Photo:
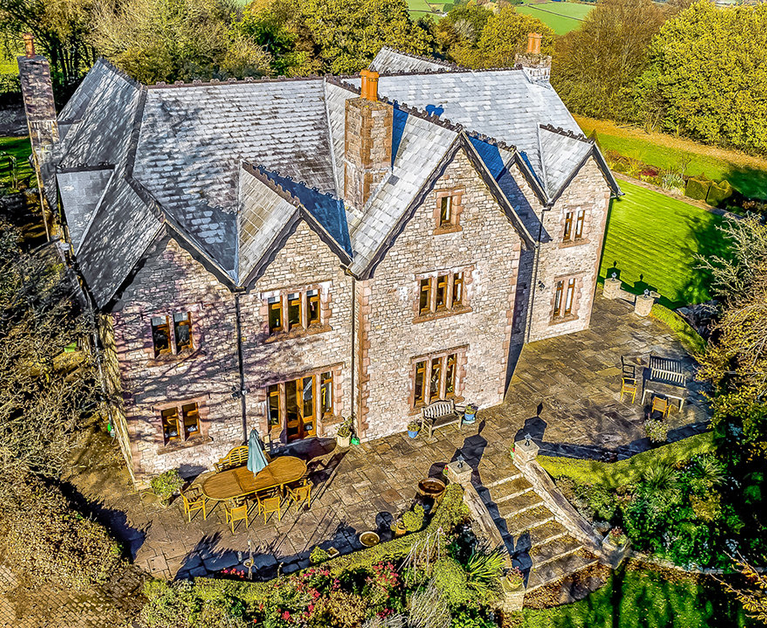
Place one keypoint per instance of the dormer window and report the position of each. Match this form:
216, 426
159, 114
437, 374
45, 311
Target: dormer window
446, 211
574, 222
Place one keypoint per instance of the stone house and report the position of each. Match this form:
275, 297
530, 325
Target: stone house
286, 253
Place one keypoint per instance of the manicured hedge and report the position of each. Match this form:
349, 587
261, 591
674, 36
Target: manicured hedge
629, 471
690, 339
697, 188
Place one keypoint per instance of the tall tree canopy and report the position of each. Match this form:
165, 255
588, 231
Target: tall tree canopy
503, 36
349, 33
596, 67
707, 77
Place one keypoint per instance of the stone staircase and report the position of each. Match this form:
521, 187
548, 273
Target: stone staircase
538, 544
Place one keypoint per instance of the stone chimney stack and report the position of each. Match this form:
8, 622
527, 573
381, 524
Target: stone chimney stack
367, 142
37, 91
537, 67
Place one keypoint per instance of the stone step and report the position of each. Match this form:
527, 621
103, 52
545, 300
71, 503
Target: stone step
527, 520
542, 553
538, 535
516, 506
510, 476
559, 568
505, 490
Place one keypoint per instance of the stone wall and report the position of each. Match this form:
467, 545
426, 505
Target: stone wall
559, 260
304, 261
486, 249
172, 281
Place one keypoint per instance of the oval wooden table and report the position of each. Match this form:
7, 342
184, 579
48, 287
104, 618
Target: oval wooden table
240, 482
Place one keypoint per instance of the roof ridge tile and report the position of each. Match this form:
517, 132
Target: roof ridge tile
566, 133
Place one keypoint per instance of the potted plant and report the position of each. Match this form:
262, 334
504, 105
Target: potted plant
166, 485
398, 527
470, 413
513, 579
413, 519
412, 429
344, 433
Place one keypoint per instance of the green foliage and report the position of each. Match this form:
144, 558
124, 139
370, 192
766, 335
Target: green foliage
349, 33
697, 189
615, 474
413, 519
484, 571
48, 540
561, 17
595, 67
451, 580
706, 76
653, 240
656, 430
718, 193
472, 618
691, 340
167, 484
639, 597
318, 555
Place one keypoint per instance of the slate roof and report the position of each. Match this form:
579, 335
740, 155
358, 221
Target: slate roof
229, 168
389, 60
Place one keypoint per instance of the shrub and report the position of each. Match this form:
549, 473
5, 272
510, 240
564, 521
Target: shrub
348, 610
719, 192
672, 181
697, 188
451, 581
708, 507
472, 618
656, 430
44, 536
691, 340
318, 556
166, 484
413, 519
484, 571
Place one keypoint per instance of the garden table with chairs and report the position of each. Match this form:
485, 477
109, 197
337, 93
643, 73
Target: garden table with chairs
240, 482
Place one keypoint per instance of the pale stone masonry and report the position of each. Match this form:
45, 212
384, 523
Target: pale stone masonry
287, 254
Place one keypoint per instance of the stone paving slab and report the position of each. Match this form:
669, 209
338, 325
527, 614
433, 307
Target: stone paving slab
564, 393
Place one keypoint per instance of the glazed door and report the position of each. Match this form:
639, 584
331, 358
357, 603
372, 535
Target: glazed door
300, 416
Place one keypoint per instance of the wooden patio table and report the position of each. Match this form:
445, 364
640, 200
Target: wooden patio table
239, 482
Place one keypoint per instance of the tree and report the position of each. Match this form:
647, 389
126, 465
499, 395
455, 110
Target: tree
61, 29
43, 397
595, 68
707, 76
349, 33
505, 35
754, 596
167, 40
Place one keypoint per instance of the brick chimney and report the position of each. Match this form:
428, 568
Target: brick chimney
367, 142
537, 67
37, 91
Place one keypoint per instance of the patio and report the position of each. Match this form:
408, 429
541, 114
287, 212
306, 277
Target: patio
564, 393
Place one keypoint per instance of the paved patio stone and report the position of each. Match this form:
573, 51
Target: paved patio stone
564, 393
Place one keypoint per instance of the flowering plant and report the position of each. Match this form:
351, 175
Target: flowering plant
617, 536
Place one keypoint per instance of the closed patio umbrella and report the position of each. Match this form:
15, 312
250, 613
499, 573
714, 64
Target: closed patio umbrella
256, 458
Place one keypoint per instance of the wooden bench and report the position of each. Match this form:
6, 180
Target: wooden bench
235, 458
439, 414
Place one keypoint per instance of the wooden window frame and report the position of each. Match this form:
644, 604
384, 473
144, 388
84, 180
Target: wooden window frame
455, 208
275, 304
305, 296
574, 227
171, 332
425, 372
167, 331
564, 303
183, 323
580, 220
181, 411
432, 283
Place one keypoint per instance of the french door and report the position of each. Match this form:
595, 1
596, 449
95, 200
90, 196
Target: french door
300, 415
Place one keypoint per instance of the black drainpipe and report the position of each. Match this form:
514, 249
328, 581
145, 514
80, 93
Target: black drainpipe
534, 281
354, 331
242, 391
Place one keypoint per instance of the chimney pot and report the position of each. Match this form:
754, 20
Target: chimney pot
534, 43
369, 87
29, 44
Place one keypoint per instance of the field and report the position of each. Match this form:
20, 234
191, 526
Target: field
746, 173
562, 17
19, 148
645, 599
652, 241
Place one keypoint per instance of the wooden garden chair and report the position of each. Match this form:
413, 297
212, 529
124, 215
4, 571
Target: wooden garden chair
270, 503
629, 386
659, 404
194, 500
236, 513
301, 493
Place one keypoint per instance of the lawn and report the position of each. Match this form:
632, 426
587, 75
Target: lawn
562, 17
645, 599
652, 240
19, 148
747, 174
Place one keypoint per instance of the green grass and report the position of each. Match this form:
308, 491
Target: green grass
418, 5
645, 599
630, 470
18, 147
652, 241
749, 181
562, 17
